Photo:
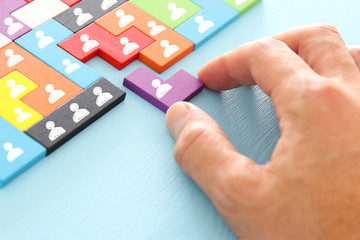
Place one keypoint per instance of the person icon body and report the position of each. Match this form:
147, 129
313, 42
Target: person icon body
239, 2
102, 97
106, 4
12, 26
70, 67
16, 90
55, 132
82, 18
55, 95
176, 12
13, 153
169, 49
88, 44
128, 47
79, 114
22, 116
203, 25
13, 59
161, 89
44, 41
155, 29
124, 19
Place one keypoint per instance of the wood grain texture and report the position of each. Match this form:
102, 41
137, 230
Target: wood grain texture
118, 180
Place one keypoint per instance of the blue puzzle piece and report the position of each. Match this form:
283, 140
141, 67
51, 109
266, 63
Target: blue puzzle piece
18, 152
42, 42
214, 16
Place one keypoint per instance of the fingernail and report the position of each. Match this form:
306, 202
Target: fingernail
176, 117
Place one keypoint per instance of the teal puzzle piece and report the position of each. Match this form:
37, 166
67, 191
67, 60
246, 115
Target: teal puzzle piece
18, 152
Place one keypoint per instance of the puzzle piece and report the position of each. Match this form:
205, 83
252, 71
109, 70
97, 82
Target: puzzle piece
86, 12
75, 115
13, 86
9, 25
162, 94
37, 12
171, 12
18, 152
54, 89
241, 5
4, 40
42, 42
169, 46
214, 16
119, 51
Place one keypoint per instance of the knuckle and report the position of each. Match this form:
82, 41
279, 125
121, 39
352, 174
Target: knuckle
326, 89
268, 43
323, 29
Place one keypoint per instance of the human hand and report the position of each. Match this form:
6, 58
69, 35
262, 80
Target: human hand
310, 188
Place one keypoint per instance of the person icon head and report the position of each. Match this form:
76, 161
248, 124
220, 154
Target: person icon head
199, 19
97, 91
9, 53
124, 40
39, 34
18, 111
49, 88
151, 24
164, 43
84, 38
156, 83
8, 146
74, 107
66, 62
50, 125
78, 11
120, 13
11, 83
172, 6
8, 21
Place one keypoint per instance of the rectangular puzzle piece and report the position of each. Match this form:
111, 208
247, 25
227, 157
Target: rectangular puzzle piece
182, 86
4, 40
86, 12
18, 152
64, 123
42, 42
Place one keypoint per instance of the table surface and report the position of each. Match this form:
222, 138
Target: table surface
118, 179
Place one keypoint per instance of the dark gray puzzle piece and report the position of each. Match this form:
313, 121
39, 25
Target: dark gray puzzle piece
75, 115
85, 12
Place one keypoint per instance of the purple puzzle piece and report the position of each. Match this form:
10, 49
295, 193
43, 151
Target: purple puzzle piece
182, 86
9, 25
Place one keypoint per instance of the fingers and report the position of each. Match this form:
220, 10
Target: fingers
322, 47
205, 154
269, 63
355, 53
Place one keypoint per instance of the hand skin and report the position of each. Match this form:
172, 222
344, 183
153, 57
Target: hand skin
310, 188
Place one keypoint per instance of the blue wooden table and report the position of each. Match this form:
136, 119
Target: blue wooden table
118, 179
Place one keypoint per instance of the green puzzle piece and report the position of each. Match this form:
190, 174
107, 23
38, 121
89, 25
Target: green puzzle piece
241, 5
171, 12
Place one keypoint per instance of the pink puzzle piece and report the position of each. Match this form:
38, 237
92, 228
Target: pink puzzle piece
182, 86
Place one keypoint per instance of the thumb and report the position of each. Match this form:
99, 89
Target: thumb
205, 154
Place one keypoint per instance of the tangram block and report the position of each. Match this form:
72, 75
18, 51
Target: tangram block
42, 42
18, 152
75, 115
214, 16
241, 5
169, 46
13, 86
85, 12
53, 88
4, 40
37, 12
171, 12
9, 25
182, 86
119, 51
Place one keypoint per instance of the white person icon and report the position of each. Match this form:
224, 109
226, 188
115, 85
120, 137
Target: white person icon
16, 89
13, 153
82, 18
79, 114
55, 132
12, 59
102, 97
12, 26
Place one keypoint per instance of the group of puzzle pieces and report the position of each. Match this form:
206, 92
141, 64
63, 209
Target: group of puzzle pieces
48, 94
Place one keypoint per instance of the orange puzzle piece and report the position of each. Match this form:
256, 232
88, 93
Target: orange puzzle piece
54, 89
169, 46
